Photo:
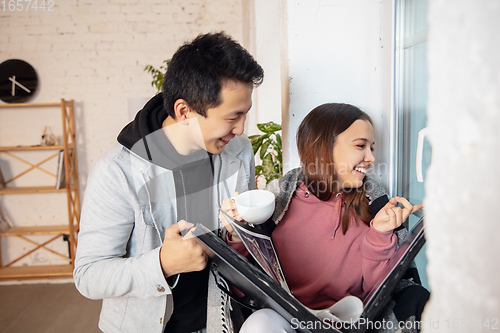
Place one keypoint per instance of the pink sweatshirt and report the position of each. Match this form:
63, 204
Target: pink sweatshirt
320, 263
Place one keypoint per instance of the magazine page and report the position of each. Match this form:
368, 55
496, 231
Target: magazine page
351, 308
259, 288
400, 261
261, 247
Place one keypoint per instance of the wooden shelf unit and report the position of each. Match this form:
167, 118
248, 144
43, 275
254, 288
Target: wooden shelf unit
30, 189
36, 272
9, 271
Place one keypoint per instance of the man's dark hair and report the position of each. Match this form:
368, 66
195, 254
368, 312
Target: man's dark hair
199, 69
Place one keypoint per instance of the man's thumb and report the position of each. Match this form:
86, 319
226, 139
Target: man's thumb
175, 229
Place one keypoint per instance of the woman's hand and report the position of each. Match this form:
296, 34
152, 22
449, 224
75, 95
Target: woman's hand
390, 217
229, 207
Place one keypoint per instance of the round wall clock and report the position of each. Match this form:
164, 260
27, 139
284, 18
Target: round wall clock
18, 81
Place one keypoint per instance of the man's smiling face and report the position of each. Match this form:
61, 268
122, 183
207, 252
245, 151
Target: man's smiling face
226, 120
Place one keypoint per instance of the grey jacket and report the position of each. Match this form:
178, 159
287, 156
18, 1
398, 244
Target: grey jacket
128, 204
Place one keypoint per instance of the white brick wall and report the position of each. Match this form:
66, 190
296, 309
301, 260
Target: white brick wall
94, 51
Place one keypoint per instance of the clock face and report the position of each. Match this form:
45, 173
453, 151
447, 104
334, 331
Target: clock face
18, 81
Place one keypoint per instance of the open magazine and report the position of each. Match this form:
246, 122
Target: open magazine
261, 247
266, 289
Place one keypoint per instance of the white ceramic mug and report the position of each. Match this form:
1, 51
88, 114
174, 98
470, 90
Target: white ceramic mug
255, 206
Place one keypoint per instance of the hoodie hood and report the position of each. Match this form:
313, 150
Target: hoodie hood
144, 136
146, 121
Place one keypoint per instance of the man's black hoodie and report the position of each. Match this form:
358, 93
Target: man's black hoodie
193, 178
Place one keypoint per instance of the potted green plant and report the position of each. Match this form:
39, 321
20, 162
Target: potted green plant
157, 74
269, 147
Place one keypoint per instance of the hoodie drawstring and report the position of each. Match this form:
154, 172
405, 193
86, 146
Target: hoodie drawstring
155, 225
147, 149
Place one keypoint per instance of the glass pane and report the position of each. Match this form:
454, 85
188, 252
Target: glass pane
411, 104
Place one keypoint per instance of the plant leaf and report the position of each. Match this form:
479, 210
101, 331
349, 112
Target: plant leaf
267, 166
278, 140
256, 143
258, 137
157, 74
269, 127
258, 169
263, 148
272, 177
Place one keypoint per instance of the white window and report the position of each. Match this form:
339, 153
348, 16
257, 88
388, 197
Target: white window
410, 102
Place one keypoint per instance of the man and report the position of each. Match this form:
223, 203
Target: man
181, 156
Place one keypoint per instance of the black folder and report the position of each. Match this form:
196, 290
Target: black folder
261, 291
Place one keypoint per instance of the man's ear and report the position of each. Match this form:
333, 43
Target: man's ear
182, 110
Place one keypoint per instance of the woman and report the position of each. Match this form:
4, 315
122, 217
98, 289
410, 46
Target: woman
327, 221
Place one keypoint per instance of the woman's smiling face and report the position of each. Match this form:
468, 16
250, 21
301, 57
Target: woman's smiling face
352, 154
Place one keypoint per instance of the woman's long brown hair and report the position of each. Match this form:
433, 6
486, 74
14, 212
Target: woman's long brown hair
316, 139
